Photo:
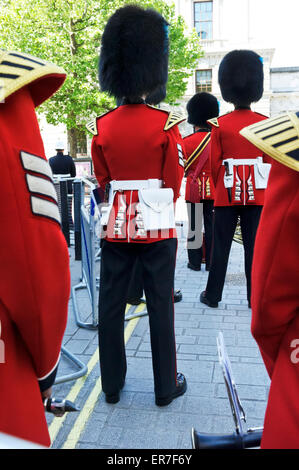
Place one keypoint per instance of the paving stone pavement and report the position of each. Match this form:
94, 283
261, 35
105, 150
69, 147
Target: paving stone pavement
136, 422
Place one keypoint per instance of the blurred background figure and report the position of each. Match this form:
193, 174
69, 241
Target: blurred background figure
199, 185
63, 164
135, 291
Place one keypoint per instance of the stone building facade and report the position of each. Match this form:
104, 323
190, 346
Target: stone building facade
285, 89
224, 25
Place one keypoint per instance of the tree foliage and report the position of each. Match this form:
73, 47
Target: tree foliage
68, 33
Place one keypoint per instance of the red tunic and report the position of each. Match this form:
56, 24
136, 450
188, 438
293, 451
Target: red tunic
34, 270
275, 305
226, 142
132, 143
195, 144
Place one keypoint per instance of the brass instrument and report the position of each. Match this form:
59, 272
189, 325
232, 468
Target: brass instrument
240, 439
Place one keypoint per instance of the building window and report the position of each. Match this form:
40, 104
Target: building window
203, 80
203, 19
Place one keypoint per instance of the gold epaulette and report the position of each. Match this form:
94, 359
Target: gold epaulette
277, 137
213, 122
173, 120
156, 107
91, 126
18, 70
173, 117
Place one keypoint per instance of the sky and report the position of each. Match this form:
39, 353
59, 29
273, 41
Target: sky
277, 24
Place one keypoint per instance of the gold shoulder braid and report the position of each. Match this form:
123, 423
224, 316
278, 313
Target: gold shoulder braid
91, 126
18, 70
213, 122
173, 119
277, 137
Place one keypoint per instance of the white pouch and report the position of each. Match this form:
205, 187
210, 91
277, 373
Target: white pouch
157, 208
261, 174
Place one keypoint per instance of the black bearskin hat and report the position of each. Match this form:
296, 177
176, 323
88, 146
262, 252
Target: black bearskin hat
241, 77
134, 52
201, 107
157, 95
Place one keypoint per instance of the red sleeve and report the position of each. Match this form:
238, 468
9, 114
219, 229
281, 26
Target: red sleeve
216, 153
275, 271
34, 259
173, 167
99, 164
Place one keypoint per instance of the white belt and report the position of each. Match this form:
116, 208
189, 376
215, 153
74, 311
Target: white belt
124, 185
243, 161
261, 171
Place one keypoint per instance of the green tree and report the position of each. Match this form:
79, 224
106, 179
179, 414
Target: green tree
68, 33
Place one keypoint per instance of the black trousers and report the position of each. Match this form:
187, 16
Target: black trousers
195, 254
208, 218
225, 221
158, 266
135, 290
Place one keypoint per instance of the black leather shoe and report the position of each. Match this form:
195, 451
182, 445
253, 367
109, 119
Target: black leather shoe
193, 267
114, 397
206, 301
177, 296
181, 387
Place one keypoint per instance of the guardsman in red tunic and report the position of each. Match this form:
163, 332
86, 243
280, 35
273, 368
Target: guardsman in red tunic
34, 259
275, 278
135, 291
199, 185
239, 169
138, 157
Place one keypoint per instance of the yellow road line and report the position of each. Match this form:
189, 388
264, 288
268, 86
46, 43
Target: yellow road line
90, 403
57, 423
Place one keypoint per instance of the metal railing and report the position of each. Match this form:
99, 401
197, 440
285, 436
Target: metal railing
65, 209
90, 253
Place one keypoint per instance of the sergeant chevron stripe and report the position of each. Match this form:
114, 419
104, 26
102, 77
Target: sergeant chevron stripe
19, 69
40, 186
198, 151
45, 208
36, 164
278, 137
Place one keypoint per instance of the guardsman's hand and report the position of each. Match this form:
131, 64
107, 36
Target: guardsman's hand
47, 393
